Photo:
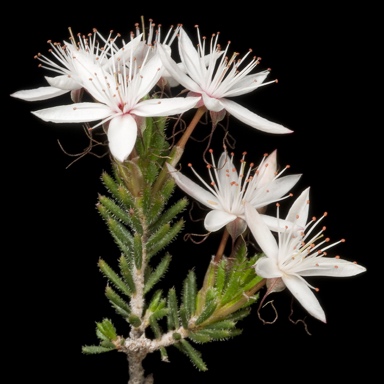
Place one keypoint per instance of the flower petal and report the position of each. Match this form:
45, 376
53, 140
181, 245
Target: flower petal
164, 107
248, 84
194, 190
304, 296
280, 225
299, 210
122, 134
148, 76
212, 103
267, 268
327, 266
217, 219
37, 94
274, 191
63, 82
74, 113
195, 66
251, 119
261, 232
176, 72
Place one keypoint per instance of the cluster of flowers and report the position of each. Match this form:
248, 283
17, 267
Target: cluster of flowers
118, 81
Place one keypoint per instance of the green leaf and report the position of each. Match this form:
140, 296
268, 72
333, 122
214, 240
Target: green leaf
110, 184
207, 312
155, 300
160, 313
221, 277
112, 276
189, 294
193, 354
173, 315
156, 329
164, 355
126, 268
137, 250
222, 324
121, 235
183, 316
169, 215
239, 315
134, 320
118, 303
158, 273
95, 349
107, 329
163, 237
207, 335
116, 210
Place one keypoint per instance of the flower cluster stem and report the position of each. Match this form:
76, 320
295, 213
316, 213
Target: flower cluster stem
222, 245
178, 149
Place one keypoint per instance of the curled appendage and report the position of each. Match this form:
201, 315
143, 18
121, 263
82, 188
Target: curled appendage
88, 150
262, 306
189, 236
299, 320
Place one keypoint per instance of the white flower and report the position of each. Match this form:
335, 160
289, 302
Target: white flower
120, 94
296, 255
153, 40
98, 49
214, 79
228, 189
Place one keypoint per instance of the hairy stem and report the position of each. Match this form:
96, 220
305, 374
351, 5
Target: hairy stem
223, 243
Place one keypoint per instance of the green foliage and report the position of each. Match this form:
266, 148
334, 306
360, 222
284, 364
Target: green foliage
189, 295
95, 349
138, 250
193, 354
163, 237
114, 278
173, 313
120, 305
114, 209
207, 312
170, 213
107, 329
126, 270
142, 223
158, 273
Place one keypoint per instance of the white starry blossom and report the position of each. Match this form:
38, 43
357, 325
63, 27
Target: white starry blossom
215, 79
120, 95
297, 254
99, 50
102, 50
228, 188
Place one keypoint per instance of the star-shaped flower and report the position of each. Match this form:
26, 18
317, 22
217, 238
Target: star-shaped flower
98, 49
215, 79
229, 188
296, 255
121, 99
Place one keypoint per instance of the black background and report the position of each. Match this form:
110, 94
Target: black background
53, 290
